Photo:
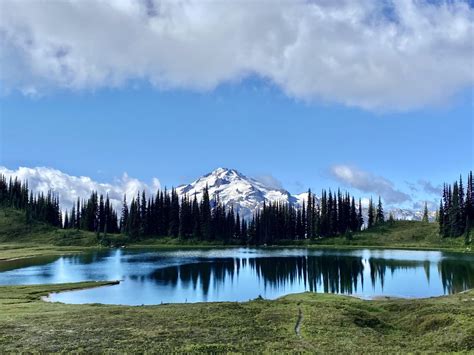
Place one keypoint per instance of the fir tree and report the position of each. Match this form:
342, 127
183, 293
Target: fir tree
205, 214
441, 218
379, 217
425, 214
196, 213
124, 219
391, 219
360, 219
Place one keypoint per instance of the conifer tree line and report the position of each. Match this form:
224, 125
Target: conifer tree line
95, 214
15, 194
456, 209
167, 214
335, 214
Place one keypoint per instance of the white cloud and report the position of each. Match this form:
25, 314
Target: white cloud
368, 182
69, 188
420, 205
365, 201
429, 188
366, 53
269, 181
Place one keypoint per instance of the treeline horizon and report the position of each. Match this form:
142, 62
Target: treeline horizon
165, 214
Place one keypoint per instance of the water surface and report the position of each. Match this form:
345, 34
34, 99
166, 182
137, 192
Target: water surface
166, 276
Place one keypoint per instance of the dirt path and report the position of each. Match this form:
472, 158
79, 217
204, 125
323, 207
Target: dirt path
298, 322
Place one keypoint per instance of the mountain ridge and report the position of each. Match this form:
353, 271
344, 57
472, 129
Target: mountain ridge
234, 189
246, 194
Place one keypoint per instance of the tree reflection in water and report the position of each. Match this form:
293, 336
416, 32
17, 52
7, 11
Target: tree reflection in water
322, 273
456, 275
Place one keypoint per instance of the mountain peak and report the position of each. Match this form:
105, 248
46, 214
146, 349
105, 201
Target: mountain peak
225, 172
233, 188
246, 195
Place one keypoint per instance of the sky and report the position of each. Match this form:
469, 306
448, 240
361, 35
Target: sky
372, 96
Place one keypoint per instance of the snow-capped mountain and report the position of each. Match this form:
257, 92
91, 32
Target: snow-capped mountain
410, 215
232, 188
246, 195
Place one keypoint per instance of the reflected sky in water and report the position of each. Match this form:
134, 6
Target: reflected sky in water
157, 276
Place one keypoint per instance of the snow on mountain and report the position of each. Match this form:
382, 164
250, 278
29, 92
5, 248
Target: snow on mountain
246, 194
302, 197
232, 188
410, 215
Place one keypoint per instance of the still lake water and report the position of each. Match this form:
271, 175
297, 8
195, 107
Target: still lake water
166, 276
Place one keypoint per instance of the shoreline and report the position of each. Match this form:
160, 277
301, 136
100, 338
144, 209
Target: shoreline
45, 298
56, 250
99, 284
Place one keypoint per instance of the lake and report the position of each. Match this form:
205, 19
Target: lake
238, 274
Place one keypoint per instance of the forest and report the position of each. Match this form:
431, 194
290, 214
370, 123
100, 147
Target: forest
166, 214
456, 208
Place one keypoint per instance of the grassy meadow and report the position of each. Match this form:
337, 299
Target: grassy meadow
295, 323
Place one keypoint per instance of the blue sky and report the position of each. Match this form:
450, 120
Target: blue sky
251, 126
388, 117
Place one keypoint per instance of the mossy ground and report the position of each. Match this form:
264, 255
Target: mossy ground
330, 324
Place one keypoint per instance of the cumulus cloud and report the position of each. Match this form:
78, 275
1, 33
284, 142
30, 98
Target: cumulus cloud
420, 205
428, 187
413, 187
368, 182
69, 188
366, 53
270, 181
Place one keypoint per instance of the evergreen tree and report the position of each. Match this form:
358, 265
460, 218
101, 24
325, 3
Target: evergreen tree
379, 217
353, 220
455, 212
360, 219
196, 213
371, 214
470, 198
124, 227
174, 214
205, 214
66, 221
425, 214
391, 219
441, 218
309, 215
78, 216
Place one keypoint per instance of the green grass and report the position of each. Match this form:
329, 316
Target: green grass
18, 240
14, 229
330, 324
400, 234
